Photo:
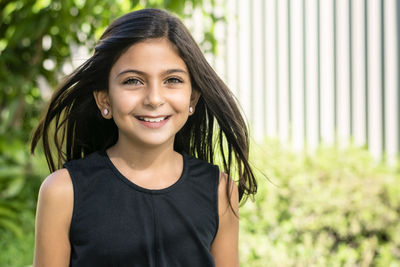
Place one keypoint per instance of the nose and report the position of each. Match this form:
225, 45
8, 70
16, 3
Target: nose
154, 96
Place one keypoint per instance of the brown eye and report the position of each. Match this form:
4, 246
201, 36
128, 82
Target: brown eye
132, 81
174, 80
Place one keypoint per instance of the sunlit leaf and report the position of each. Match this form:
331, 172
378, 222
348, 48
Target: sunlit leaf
13, 188
6, 212
10, 172
11, 226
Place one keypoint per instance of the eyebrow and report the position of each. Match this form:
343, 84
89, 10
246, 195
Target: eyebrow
144, 74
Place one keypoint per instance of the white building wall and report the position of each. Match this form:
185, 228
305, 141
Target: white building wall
311, 72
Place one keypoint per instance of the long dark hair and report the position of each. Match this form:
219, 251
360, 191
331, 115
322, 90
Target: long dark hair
216, 131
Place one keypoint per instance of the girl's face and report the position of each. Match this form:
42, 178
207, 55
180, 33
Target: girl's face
149, 94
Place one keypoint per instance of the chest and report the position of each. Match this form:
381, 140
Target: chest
116, 222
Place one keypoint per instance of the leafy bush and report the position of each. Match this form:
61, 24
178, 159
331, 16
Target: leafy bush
20, 178
20, 175
333, 208
18, 252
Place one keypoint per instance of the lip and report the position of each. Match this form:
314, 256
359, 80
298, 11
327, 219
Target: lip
153, 125
152, 116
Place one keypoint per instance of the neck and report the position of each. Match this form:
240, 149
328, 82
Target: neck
141, 158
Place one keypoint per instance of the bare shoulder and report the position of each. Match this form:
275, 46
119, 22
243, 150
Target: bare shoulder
53, 219
227, 187
225, 245
59, 182
56, 197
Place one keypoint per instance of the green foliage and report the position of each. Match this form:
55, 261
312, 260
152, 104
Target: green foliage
19, 183
18, 252
334, 208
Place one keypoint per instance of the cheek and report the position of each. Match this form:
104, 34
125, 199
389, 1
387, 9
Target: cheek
181, 101
123, 102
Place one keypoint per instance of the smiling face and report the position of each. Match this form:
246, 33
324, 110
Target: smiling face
149, 94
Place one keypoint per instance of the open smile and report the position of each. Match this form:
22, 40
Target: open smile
153, 122
152, 119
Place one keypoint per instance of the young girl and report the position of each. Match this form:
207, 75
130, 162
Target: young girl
133, 180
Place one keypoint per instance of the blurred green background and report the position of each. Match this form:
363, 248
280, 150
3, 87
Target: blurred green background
332, 208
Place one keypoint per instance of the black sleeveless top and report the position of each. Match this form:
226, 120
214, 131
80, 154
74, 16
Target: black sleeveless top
118, 223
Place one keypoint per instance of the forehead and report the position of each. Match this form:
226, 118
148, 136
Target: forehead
150, 55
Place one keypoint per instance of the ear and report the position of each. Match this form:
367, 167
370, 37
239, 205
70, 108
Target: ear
103, 103
194, 98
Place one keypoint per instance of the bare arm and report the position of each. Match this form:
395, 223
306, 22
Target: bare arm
53, 218
225, 246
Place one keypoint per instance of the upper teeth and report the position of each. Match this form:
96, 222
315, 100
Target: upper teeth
152, 119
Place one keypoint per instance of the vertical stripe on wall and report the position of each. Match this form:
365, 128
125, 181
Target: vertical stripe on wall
244, 58
296, 74
351, 68
327, 71
251, 81
257, 56
283, 70
315, 71
366, 33
374, 65
391, 54
398, 72
342, 73
335, 70
311, 74
319, 70
289, 70
263, 94
277, 65
358, 71
270, 74
220, 30
303, 25
382, 39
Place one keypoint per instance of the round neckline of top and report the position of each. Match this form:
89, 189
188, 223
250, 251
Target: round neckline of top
122, 177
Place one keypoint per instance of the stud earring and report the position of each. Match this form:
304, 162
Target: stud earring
190, 109
105, 112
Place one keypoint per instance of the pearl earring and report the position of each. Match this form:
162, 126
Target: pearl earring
105, 112
190, 109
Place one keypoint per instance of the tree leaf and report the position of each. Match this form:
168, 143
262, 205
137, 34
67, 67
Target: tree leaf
11, 226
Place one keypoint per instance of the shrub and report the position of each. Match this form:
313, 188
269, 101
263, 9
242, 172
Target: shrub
333, 208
